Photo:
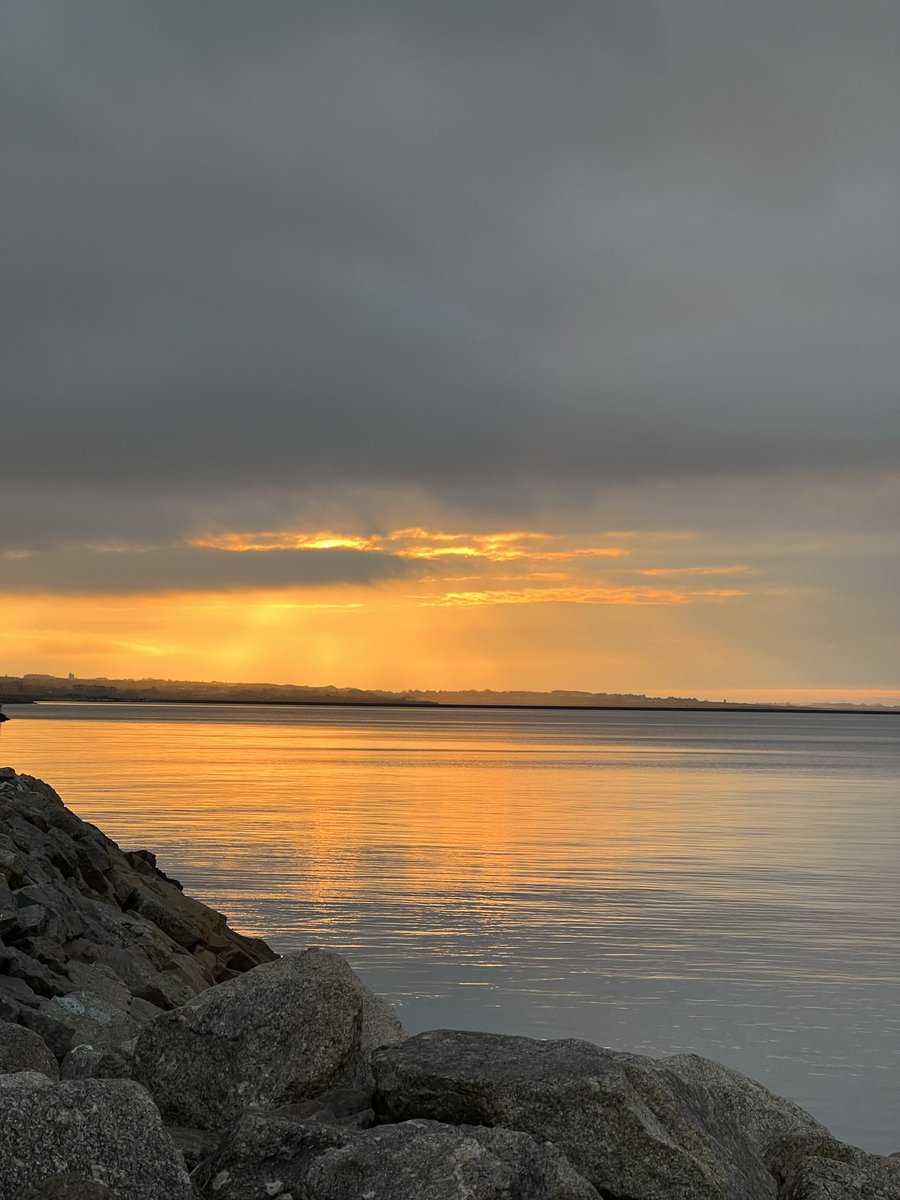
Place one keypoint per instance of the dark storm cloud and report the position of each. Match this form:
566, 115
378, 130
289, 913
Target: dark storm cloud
191, 568
274, 250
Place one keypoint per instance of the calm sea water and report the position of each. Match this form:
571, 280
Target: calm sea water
720, 882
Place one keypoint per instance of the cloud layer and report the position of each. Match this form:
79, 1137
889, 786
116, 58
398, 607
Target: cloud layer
461, 250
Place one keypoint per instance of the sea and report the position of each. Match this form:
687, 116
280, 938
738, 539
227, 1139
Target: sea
726, 883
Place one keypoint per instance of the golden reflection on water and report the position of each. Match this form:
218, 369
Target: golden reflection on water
660, 881
445, 809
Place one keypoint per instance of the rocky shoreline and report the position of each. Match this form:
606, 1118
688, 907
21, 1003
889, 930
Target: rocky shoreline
150, 1052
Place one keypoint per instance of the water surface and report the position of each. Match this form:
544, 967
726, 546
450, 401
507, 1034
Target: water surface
656, 881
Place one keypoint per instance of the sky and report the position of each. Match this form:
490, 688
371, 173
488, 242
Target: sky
484, 345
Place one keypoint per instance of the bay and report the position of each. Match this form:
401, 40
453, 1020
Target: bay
725, 883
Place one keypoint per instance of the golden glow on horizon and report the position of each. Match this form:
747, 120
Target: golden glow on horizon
439, 609
378, 638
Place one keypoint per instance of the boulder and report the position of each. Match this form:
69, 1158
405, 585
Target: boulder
56, 1033
347, 1107
23, 1050
64, 914
739, 1115
168, 989
16, 992
92, 1020
132, 966
13, 867
31, 921
89, 1062
104, 1131
280, 1033
631, 1125
43, 980
98, 980
185, 921
143, 1011
443, 1162
8, 916
51, 953
263, 1157
818, 1167
867, 1177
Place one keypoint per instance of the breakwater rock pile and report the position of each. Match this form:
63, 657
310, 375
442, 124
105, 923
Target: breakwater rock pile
149, 1052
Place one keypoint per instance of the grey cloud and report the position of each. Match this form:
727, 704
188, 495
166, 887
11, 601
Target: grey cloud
469, 250
191, 568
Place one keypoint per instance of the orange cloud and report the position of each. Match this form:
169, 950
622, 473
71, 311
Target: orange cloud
573, 595
534, 576
736, 570
414, 543
281, 540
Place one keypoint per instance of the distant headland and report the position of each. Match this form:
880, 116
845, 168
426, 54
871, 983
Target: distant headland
30, 688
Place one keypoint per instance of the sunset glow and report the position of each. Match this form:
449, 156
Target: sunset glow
617, 612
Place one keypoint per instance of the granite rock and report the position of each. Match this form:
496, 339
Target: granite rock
263, 1157
92, 1020
431, 1161
810, 1166
90, 1062
24, 1050
280, 1033
631, 1125
99, 1130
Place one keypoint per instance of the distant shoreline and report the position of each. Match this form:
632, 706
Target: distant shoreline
705, 706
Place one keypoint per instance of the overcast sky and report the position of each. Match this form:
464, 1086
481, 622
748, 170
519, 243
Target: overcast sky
568, 267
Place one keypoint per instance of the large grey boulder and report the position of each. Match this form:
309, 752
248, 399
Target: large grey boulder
431, 1161
102, 1130
631, 1125
23, 1050
280, 1033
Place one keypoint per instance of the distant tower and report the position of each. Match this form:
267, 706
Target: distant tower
71, 675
